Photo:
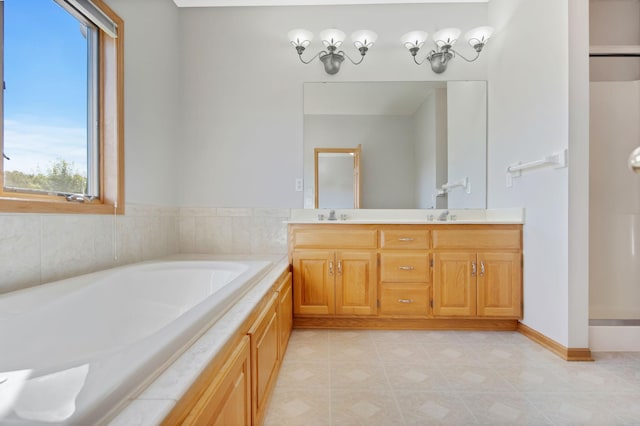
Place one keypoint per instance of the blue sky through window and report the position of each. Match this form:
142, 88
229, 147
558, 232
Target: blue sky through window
45, 102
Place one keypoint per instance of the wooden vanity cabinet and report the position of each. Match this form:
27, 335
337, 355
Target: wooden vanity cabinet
477, 272
405, 272
407, 275
334, 273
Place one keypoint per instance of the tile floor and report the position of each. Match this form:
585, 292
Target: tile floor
344, 377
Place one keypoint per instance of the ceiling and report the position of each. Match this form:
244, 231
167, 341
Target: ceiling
219, 3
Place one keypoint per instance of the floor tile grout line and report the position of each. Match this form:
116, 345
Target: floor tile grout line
459, 397
524, 396
534, 405
391, 389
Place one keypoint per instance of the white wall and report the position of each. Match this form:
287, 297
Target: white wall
152, 100
529, 119
424, 125
579, 237
430, 134
387, 178
467, 142
242, 139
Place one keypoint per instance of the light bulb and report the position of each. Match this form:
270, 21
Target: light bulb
478, 36
332, 37
300, 37
414, 39
446, 37
364, 38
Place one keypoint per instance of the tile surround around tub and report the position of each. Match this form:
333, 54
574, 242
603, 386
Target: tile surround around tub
233, 230
39, 248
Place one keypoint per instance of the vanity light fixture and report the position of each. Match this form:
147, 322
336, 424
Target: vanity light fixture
634, 160
332, 40
444, 41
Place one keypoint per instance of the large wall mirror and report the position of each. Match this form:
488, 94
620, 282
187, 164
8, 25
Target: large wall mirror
415, 137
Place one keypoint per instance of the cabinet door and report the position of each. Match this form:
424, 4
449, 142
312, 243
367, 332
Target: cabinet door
227, 401
264, 358
356, 283
454, 290
285, 311
313, 282
499, 285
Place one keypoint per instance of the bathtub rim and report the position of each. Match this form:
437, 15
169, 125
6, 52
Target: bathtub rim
174, 378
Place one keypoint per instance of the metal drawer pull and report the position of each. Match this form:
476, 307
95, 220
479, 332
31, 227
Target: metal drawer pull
405, 239
331, 267
473, 269
405, 300
482, 268
340, 267
406, 268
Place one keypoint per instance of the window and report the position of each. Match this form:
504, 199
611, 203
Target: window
62, 136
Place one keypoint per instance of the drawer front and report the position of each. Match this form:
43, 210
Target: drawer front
404, 300
401, 267
412, 239
335, 238
477, 239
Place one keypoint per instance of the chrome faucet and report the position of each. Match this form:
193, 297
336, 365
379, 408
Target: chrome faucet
443, 216
332, 215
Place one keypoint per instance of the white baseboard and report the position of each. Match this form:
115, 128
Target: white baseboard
614, 338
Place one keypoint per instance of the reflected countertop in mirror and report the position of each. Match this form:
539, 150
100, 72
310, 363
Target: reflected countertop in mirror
415, 137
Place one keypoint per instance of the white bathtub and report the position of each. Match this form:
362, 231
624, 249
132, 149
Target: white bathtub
72, 350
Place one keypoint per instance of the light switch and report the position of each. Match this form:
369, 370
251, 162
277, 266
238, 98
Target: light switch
298, 185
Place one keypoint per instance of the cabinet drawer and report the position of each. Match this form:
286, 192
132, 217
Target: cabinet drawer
336, 238
401, 267
404, 300
477, 239
404, 239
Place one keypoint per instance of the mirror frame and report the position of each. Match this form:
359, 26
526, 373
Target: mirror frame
356, 171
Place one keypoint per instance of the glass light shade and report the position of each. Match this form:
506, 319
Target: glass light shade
414, 39
332, 37
446, 37
478, 35
300, 37
364, 38
634, 160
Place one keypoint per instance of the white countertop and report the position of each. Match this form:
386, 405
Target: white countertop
408, 216
157, 400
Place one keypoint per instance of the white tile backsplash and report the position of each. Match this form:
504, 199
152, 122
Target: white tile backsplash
68, 246
233, 230
39, 248
19, 251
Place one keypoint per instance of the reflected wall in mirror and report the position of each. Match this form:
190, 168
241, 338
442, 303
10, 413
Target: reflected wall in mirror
337, 178
415, 137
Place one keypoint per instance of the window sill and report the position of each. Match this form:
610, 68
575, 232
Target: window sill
18, 205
